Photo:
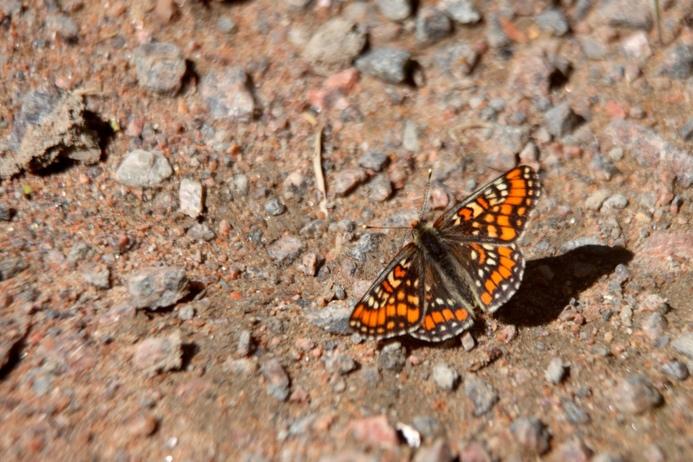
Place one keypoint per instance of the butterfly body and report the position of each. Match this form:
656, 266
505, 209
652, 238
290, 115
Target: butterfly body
467, 258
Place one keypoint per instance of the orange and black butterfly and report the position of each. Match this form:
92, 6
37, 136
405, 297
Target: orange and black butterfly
467, 258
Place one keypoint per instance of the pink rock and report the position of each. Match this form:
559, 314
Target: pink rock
374, 431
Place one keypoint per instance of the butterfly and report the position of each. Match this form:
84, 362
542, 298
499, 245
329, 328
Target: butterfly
467, 258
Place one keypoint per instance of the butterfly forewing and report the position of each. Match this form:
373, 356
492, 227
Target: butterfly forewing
393, 305
497, 212
446, 315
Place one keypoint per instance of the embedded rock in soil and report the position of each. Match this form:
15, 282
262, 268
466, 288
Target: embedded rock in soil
445, 377
482, 394
461, 11
374, 431
160, 67
190, 197
50, 125
278, 381
432, 25
635, 395
285, 249
347, 180
392, 357
334, 318
388, 64
335, 45
395, 10
159, 354
228, 94
531, 433
143, 168
157, 287
556, 371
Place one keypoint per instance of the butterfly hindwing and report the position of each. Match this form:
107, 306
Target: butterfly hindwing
494, 272
497, 212
446, 315
393, 305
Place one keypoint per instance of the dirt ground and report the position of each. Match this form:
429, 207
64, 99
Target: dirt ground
182, 189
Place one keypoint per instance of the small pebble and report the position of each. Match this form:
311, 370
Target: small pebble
461, 11
635, 395
200, 232
395, 10
432, 25
617, 201
468, 342
676, 369
531, 433
157, 287
285, 249
278, 381
275, 207
190, 197
482, 394
374, 160
684, 344
391, 65
159, 354
573, 450
445, 377
334, 45
160, 67
347, 180
574, 413
245, 343
556, 371
561, 120
143, 168
228, 95
392, 357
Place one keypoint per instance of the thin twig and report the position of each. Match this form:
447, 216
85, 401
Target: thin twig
317, 169
658, 20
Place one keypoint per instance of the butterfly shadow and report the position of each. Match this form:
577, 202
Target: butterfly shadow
550, 283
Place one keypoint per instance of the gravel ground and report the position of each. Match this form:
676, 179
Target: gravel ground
175, 280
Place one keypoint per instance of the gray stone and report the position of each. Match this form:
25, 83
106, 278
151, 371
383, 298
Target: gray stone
366, 244
274, 207
676, 369
160, 67
10, 267
574, 413
226, 25
334, 318
157, 287
278, 382
531, 433
340, 363
632, 14
461, 11
392, 357
432, 25
98, 276
615, 202
395, 10
654, 326
346, 180
190, 197
684, 344
482, 394
5, 213
143, 168
445, 377
495, 35
553, 21
686, 132
159, 354
374, 160
410, 136
285, 249
380, 188
595, 200
200, 232
457, 59
635, 395
245, 343
335, 45
62, 25
678, 62
561, 120
556, 371
468, 342
388, 64
228, 95
427, 425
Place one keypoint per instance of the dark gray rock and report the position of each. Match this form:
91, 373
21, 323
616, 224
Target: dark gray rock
5, 213
432, 25
457, 59
157, 287
561, 120
10, 267
228, 94
143, 168
160, 67
389, 64
366, 244
374, 160
676, 369
482, 394
532, 434
632, 14
678, 62
574, 413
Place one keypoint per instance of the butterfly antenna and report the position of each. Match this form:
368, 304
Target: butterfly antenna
383, 227
426, 194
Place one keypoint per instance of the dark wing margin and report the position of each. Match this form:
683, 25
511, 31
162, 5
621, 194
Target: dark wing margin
393, 305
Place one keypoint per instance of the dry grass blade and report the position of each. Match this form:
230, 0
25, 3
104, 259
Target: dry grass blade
317, 169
